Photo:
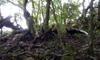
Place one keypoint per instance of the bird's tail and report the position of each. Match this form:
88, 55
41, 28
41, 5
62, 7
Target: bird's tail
84, 32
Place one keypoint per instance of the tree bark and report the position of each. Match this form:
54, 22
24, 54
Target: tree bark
28, 18
46, 21
99, 10
91, 29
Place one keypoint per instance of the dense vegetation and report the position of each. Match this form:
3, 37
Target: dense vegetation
56, 31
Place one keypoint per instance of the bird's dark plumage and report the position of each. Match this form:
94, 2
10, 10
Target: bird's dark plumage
74, 31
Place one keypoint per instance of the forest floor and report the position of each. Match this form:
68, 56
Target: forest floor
22, 46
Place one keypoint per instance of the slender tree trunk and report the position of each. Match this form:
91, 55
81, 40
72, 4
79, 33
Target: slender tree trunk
99, 10
46, 21
1, 32
91, 29
0, 21
84, 13
29, 19
53, 10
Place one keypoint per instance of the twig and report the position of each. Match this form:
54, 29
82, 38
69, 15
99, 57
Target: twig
15, 4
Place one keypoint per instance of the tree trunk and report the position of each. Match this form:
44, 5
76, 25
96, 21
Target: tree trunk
91, 30
29, 19
46, 21
99, 10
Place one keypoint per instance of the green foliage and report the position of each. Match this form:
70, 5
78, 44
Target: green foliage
70, 11
63, 12
20, 2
